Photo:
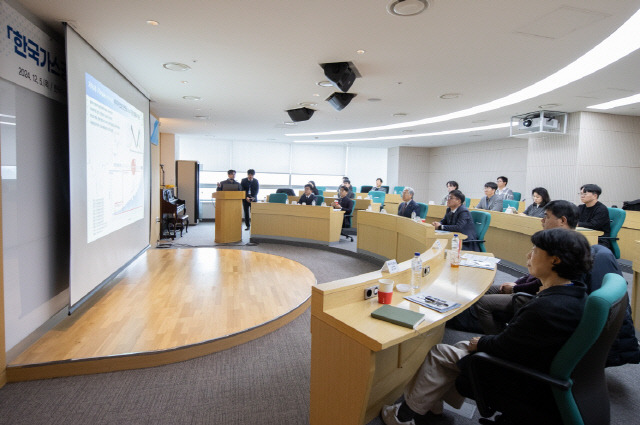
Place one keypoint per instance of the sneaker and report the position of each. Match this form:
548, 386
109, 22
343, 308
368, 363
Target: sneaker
389, 416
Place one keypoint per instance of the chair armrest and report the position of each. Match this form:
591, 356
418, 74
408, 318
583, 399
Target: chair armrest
478, 358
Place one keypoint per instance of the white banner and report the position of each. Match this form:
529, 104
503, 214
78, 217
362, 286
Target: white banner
29, 57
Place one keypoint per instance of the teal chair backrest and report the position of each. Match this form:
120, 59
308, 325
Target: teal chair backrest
467, 202
422, 212
481, 221
320, 191
319, 199
278, 198
597, 312
321, 188
517, 196
377, 197
617, 216
397, 190
509, 203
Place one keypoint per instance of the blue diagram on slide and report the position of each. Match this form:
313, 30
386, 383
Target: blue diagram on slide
115, 161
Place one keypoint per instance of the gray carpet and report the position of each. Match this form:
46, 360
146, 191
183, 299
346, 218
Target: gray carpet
265, 381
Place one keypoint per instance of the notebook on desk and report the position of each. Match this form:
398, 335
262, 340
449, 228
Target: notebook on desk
398, 316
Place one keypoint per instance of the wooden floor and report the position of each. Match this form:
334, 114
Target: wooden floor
171, 305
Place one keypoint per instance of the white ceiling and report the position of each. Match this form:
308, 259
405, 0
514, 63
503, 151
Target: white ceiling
253, 59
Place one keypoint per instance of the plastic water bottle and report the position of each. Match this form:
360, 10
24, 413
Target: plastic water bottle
413, 215
313, 202
455, 251
416, 271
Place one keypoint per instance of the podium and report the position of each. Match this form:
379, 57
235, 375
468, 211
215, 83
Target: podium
228, 215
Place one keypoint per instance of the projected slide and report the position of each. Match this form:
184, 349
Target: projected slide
115, 161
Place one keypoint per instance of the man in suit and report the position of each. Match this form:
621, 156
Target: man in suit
409, 206
491, 201
251, 186
458, 219
345, 204
307, 198
231, 178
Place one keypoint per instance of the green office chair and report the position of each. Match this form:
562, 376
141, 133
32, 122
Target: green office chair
365, 189
320, 191
509, 203
377, 197
467, 202
321, 188
481, 221
278, 198
422, 212
616, 216
319, 199
576, 382
517, 196
397, 190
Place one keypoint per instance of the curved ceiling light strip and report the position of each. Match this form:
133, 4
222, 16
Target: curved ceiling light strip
410, 136
622, 42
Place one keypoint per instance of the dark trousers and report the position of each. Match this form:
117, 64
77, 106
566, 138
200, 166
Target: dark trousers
247, 216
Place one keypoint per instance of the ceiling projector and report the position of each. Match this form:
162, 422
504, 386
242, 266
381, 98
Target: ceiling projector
533, 124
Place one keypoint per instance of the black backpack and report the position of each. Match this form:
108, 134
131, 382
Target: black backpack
631, 205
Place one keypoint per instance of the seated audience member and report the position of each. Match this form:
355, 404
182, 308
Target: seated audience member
345, 204
503, 190
308, 197
458, 219
534, 335
378, 187
593, 213
451, 185
491, 201
500, 301
231, 178
540, 198
409, 206
347, 184
314, 189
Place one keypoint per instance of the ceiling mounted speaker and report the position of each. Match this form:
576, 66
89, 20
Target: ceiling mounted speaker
300, 114
341, 74
340, 100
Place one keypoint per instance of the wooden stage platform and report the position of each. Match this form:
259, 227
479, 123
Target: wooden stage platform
168, 306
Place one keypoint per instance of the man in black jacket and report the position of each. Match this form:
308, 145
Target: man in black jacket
251, 186
458, 219
593, 213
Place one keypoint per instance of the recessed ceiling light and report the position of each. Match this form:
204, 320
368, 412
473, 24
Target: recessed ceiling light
290, 123
549, 106
374, 99
407, 7
324, 84
191, 97
450, 96
316, 95
399, 114
308, 104
153, 23
176, 66
201, 117
360, 52
184, 82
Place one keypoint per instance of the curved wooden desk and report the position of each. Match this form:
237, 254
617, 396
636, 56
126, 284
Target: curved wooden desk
305, 223
388, 236
635, 295
359, 363
629, 234
509, 235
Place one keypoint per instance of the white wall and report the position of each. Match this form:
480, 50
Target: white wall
609, 156
474, 164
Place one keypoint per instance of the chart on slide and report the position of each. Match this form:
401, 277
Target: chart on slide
115, 161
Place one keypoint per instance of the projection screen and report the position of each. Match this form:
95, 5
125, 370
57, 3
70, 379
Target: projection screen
109, 158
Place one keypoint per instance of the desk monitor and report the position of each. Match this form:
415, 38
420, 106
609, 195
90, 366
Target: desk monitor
231, 186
